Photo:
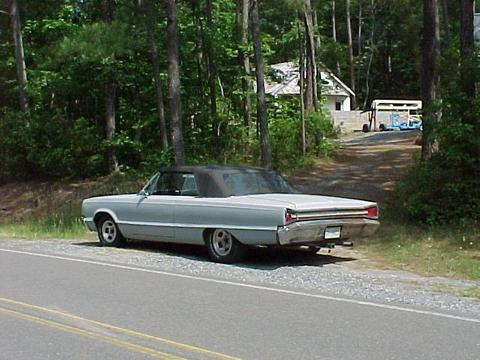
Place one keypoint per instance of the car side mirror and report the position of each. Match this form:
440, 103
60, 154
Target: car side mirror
143, 193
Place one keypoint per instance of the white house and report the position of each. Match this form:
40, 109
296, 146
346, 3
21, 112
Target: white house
284, 81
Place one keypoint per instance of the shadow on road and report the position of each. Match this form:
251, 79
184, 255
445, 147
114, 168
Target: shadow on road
260, 258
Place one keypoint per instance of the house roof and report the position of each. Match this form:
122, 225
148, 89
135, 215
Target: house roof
284, 80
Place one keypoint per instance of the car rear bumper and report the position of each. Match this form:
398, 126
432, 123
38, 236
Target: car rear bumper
312, 232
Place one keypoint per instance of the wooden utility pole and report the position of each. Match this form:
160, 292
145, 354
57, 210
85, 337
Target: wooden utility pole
350, 54
212, 69
19, 54
110, 99
174, 83
372, 51
311, 88
334, 32
245, 61
430, 55
266, 152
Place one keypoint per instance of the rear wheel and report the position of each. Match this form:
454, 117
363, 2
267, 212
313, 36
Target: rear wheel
223, 247
108, 232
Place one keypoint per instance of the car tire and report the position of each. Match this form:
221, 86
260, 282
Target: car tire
108, 232
382, 127
223, 247
365, 128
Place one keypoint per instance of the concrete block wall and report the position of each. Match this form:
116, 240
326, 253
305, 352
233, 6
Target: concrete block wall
350, 121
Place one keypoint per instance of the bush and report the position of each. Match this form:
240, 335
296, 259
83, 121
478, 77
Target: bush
446, 188
432, 192
54, 148
285, 136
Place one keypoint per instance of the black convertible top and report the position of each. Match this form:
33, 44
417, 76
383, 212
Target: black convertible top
209, 178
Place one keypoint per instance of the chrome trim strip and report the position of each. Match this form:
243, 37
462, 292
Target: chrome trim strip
331, 213
201, 226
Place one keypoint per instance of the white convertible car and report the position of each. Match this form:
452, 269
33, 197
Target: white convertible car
227, 209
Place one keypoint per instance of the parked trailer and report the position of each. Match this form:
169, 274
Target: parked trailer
388, 115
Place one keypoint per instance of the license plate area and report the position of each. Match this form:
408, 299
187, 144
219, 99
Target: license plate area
332, 232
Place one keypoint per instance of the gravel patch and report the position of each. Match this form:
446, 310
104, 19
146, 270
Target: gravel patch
340, 273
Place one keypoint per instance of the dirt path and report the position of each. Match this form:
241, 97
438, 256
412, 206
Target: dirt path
365, 167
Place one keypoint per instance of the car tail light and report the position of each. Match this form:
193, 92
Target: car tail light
372, 212
290, 216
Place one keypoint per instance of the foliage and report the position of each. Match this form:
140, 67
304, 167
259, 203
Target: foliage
70, 52
446, 188
285, 129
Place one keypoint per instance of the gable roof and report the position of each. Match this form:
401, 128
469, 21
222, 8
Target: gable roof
284, 80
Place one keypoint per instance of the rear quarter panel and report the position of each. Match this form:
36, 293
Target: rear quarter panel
251, 224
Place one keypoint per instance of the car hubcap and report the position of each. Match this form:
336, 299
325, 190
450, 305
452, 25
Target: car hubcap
222, 242
109, 231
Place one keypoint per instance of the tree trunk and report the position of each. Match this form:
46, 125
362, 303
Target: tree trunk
311, 90
19, 54
174, 83
467, 48
146, 8
334, 33
266, 152
317, 29
245, 62
301, 69
430, 53
110, 100
350, 54
212, 70
446, 24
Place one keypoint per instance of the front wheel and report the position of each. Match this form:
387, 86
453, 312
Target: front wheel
223, 247
108, 232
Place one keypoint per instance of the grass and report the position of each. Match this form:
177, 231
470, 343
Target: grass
62, 220
441, 250
66, 223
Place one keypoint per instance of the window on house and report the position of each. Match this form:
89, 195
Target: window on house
338, 106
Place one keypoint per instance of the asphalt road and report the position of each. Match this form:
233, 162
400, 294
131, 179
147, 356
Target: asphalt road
58, 307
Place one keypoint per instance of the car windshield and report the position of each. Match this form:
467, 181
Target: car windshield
256, 182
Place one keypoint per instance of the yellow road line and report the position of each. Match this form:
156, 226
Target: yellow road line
77, 331
126, 331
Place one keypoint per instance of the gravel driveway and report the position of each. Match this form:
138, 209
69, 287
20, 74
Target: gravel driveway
341, 273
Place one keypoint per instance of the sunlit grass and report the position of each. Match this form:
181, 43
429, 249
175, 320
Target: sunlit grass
66, 223
442, 250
